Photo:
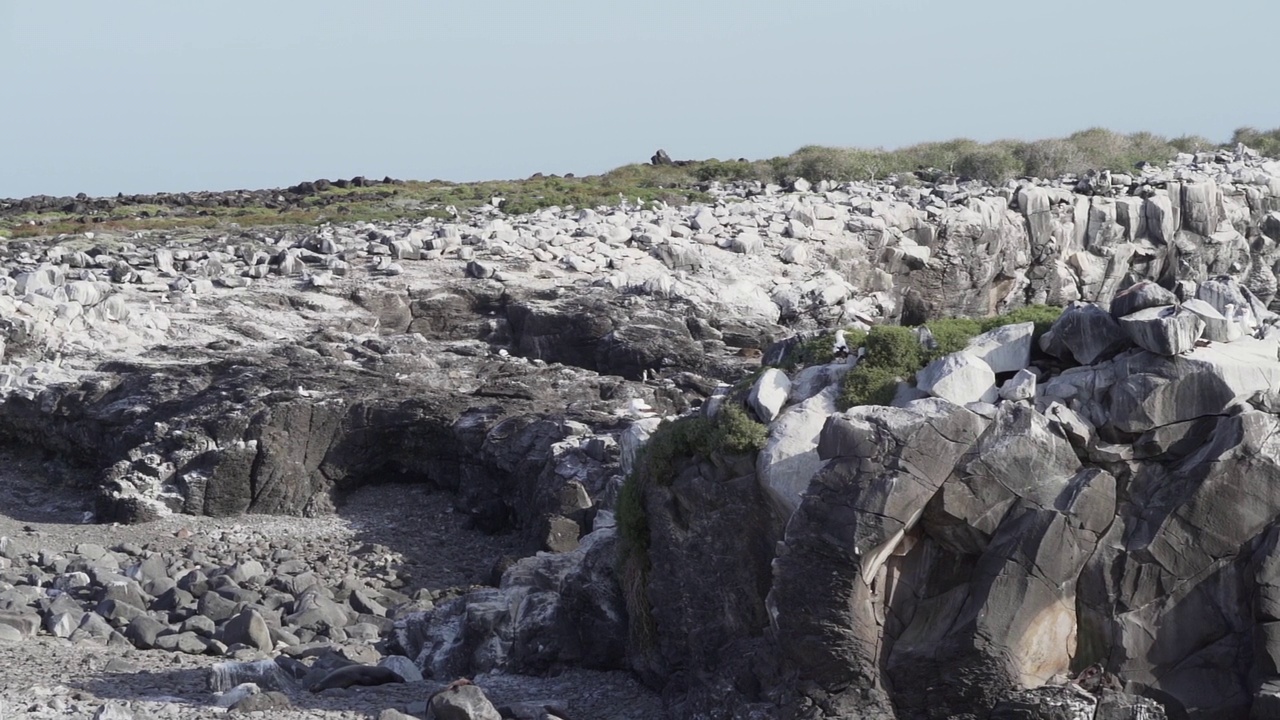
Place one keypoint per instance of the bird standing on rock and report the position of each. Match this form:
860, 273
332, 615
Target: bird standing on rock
840, 348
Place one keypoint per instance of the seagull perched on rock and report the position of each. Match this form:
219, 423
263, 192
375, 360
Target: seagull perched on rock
840, 348
637, 409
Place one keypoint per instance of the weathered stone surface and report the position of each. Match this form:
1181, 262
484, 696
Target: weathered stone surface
860, 510
960, 378
248, 628
1021, 386
467, 702
790, 458
1086, 334
1140, 296
1166, 330
1153, 391
1005, 349
769, 394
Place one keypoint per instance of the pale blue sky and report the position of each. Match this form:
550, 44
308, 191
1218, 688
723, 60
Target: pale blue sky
102, 96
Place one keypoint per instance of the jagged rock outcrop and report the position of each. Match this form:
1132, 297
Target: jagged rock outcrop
1095, 495
974, 558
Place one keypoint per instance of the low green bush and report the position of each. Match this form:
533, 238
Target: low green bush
892, 352
894, 348
993, 163
1042, 315
735, 432
1266, 142
731, 170
819, 349
867, 385
950, 335
1193, 144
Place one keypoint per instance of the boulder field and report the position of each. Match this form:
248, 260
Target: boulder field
1076, 522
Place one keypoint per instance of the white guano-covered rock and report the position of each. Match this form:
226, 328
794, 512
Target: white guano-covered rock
960, 378
1004, 349
1163, 330
790, 459
769, 394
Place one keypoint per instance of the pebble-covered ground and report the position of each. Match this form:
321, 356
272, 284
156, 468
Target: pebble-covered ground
405, 528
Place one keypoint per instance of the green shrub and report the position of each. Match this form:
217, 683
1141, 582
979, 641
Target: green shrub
1266, 142
867, 385
1042, 315
893, 352
819, 349
993, 163
731, 170
940, 155
894, 348
732, 431
735, 432
1050, 158
950, 335
673, 439
815, 163
1193, 144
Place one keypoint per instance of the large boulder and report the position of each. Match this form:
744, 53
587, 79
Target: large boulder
1217, 328
462, 702
1166, 330
1005, 349
769, 394
790, 458
960, 378
1140, 296
1086, 334
858, 515
1152, 391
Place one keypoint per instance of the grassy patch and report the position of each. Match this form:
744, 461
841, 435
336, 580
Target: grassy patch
1042, 315
636, 184
950, 335
995, 162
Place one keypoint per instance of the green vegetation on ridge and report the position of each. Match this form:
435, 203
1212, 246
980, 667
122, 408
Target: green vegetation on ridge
998, 161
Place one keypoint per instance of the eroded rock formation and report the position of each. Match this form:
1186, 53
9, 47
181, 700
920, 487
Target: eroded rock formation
1100, 497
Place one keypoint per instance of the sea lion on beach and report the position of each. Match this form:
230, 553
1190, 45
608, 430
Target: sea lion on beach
366, 675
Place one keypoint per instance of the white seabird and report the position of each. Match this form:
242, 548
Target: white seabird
840, 348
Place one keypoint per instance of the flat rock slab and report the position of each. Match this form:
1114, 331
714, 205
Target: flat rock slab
1166, 330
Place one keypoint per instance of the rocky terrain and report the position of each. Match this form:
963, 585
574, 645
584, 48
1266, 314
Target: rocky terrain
259, 456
